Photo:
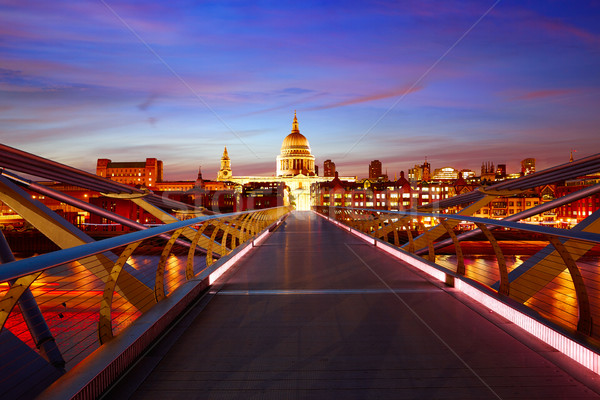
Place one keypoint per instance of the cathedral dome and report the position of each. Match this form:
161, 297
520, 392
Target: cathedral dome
295, 143
295, 157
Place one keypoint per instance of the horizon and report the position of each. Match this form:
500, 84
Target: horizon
459, 83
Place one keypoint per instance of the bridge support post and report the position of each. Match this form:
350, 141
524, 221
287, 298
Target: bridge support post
504, 284
434, 233
460, 260
584, 323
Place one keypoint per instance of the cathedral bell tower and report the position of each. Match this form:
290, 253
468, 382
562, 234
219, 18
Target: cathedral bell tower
225, 171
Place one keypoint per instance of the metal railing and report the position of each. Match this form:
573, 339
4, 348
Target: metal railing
83, 297
553, 272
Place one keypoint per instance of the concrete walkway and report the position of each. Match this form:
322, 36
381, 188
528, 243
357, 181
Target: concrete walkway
315, 313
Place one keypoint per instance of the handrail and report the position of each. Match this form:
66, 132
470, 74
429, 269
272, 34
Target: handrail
554, 281
16, 269
545, 230
90, 293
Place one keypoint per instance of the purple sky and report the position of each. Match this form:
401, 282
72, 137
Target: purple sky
459, 82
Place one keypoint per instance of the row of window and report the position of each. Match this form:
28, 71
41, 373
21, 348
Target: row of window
138, 174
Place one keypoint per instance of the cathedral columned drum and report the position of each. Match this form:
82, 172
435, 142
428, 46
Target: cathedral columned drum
295, 158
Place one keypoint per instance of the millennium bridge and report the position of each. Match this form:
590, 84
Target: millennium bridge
275, 303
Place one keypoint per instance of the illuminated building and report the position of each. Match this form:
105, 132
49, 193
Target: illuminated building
216, 196
488, 173
257, 195
573, 213
467, 174
295, 168
375, 169
501, 172
295, 158
328, 168
528, 166
396, 195
123, 207
225, 170
72, 214
146, 173
420, 173
445, 174
140, 173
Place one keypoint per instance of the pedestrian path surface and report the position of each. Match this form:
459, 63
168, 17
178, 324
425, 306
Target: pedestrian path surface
316, 313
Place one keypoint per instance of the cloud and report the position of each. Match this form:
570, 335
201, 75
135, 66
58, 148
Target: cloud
560, 28
541, 94
294, 91
143, 106
372, 97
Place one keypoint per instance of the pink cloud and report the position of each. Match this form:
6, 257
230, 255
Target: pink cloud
44, 21
372, 97
540, 94
555, 26
541, 24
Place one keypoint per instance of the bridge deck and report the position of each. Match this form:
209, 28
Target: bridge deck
317, 313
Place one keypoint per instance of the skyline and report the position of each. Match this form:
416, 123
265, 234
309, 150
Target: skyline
458, 83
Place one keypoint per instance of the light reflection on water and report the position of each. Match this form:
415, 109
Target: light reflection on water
557, 301
481, 268
69, 297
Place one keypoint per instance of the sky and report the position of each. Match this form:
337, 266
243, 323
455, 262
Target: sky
456, 83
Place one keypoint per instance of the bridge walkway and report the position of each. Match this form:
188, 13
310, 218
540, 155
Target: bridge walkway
317, 313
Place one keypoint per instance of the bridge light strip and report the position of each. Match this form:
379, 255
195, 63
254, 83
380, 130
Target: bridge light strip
572, 349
